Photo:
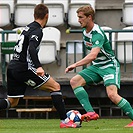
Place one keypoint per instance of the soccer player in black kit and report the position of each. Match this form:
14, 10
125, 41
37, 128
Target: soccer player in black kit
25, 68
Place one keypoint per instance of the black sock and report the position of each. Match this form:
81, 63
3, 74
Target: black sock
4, 104
59, 104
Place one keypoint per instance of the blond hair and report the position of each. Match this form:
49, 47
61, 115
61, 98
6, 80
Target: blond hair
87, 10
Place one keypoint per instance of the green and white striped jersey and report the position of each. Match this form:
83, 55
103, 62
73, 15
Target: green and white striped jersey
97, 38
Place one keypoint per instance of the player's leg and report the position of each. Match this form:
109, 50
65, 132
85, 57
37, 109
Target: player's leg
47, 83
13, 101
84, 77
77, 83
121, 102
8, 103
14, 92
56, 94
112, 94
4, 104
112, 83
58, 102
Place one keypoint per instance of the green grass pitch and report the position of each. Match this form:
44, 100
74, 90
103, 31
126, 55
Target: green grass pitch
52, 126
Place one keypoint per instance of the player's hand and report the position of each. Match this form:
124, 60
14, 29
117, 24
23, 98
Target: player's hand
40, 71
70, 68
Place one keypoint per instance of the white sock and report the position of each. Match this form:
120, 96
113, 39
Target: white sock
66, 120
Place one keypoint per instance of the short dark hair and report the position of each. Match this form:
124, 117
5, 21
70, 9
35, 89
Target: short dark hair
40, 11
87, 10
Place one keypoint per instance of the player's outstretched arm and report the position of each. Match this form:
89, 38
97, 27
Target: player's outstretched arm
70, 68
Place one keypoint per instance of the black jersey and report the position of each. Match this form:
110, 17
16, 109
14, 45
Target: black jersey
26, 49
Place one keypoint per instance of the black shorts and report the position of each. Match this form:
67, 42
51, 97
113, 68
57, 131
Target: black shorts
17, 81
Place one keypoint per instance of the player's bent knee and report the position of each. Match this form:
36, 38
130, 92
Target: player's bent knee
75, 83
112, 97
14, 102
56, 86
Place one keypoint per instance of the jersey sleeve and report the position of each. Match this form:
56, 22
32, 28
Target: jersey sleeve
34, 42
98, 40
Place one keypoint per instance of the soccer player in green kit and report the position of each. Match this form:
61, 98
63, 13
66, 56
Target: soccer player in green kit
103, 67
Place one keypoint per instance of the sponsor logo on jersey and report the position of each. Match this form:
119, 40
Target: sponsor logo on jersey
88, 44
97, 42
34, 36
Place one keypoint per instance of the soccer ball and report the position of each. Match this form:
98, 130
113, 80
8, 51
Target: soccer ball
75, 116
